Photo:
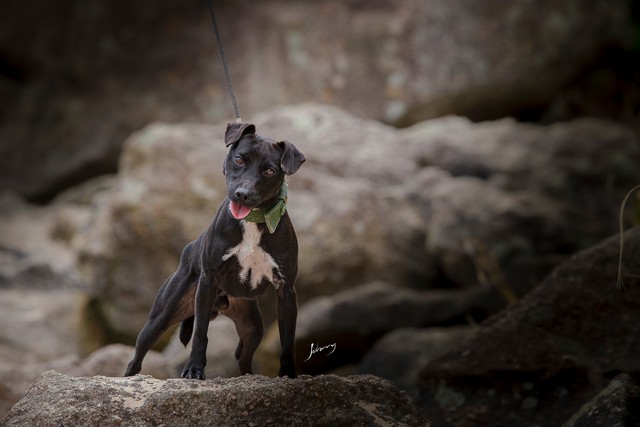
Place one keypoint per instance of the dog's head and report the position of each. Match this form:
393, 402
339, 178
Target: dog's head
255, 167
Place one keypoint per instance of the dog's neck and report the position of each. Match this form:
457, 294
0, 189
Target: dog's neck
270, 216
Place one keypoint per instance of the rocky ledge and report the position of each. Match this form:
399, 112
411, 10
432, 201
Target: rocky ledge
59, 400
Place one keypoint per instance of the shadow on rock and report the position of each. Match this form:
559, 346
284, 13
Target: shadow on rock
540, 360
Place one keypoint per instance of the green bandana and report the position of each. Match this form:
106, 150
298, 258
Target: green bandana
273, 215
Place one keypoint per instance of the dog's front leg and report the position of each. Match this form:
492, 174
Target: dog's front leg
205, 298
287, 315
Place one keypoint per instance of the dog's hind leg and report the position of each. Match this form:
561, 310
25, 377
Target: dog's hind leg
248, 320
186, 330
173, 304
186, 326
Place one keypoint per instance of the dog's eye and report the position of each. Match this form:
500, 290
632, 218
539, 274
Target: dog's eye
238, 160
269, 172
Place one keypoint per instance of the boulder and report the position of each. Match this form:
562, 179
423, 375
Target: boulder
43, 325
168, 190
33, 252
353, 320
400, 355
166, 193
504, 188
56, 399
618, 405
448, 211
112, 360
40, 328
43, 303
540, 360
18, 372
400, 62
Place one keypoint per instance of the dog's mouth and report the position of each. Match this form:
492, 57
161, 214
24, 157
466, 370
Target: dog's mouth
238, 211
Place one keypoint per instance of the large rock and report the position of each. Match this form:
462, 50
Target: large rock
454, 195
338, 320
169, 183
56, 399
452, 187
71, 97
43, 303
540, 360
618, 405
400, 355
34, 248
18, 372
112, 361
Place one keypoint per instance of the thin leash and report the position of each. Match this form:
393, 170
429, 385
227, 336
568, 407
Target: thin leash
224, 63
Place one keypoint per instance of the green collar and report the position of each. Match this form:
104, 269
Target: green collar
273, 215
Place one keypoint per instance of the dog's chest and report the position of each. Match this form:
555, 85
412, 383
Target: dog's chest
255, 263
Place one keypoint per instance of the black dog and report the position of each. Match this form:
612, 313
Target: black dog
249, 246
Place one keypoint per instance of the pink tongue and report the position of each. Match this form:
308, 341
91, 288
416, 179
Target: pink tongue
238, 211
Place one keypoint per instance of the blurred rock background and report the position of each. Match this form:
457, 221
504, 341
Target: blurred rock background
457, 154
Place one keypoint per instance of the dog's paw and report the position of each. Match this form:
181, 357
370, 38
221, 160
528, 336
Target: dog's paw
193, 373
132, 369
287, 372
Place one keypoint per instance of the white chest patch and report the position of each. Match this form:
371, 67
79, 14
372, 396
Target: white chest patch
252, 258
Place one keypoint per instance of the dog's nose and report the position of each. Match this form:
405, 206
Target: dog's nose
242, 194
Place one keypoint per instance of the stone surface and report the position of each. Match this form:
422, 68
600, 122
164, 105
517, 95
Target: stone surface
618, 405
112, 360
56, 399
117, 66
165, 196
338, 319
42, 325
541, 359
400, 355
507, 188
32, 253
447, 211
18, 371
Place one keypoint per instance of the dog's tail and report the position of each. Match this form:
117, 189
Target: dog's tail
186, 330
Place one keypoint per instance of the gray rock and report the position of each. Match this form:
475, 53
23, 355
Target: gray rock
39, 327
140, 227
56, 399
509, 189
42, 325
112, 360
416, 219
18, 371
400, 355
167, 191
541, 359
32, 255
618, 405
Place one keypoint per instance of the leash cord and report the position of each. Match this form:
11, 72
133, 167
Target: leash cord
224, 63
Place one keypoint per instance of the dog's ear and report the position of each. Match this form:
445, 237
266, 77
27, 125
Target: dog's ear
235, 131
291, 159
